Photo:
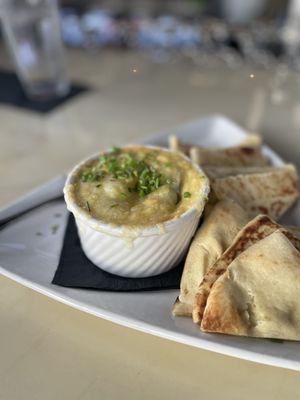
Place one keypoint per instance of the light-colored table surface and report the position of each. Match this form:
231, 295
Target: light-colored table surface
50, 351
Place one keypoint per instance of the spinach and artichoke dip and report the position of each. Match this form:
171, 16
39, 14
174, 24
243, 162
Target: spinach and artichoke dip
137, 186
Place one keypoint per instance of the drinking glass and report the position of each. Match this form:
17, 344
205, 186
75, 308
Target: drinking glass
32, 33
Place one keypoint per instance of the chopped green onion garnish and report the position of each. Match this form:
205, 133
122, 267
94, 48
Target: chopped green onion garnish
186, 195
127, 167
115, 149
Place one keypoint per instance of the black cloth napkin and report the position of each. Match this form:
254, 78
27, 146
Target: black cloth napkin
11, 93
77, 271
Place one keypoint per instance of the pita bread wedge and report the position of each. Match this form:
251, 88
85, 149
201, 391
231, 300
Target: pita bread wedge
258, 295
272, 192
181, 309
253, 140
247, 153
212, 238
223, 172
230, 157
256, 230
177, 145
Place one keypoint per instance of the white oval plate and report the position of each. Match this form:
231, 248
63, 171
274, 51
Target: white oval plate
31, 259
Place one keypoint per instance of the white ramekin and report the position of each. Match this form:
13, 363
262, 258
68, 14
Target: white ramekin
148, 251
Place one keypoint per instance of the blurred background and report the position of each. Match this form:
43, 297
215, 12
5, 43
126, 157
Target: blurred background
123, 69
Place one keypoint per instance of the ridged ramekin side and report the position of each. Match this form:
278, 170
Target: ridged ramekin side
142, 257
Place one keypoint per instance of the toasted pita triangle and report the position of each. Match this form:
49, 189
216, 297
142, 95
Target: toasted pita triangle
181, 309
256, 230
258, 295
248, 152
222, 172
252, 139
177, 145
212, 238
272, 192
232, 156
